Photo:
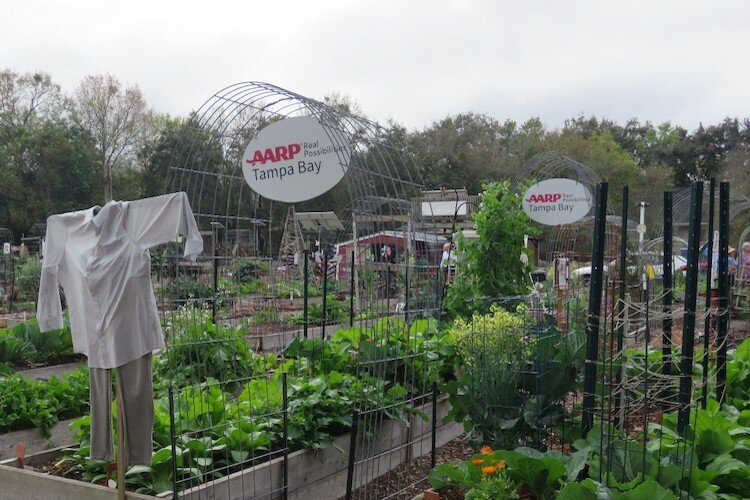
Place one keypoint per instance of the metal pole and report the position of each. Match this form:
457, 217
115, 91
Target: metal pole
306, 255
409, 243
216, 281
352, 452
12, 283
595, 302
285, 431
621, 295
120, 441
691, 292
388, 288
709, 298
433, 424
668, 276
325, 293
723, 326
172, 441
351, 293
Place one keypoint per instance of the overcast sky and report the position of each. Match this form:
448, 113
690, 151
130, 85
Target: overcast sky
413, 61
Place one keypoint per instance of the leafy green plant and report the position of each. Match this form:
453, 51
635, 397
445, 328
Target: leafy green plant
247, 270
202, 350
221, 425
490, 266
265, 316
293, 289
27, 278
11, 348
187, 288
38, 403
39, 346
498, 335
514, 384
336, 311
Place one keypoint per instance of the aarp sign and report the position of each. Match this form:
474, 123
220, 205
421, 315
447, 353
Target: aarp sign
294, 159
557, 201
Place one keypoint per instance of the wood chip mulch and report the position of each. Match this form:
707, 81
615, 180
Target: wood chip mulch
412, 476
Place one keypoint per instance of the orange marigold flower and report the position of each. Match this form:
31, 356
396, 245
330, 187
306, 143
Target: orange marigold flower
500, 465
477, 461
490, 469
486, 450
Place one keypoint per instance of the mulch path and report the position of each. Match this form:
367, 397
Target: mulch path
415, 473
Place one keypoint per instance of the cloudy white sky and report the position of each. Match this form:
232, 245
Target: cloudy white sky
414, 61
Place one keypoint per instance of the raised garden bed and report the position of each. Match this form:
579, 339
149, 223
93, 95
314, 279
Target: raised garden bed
34, 439
30, 484
312, 473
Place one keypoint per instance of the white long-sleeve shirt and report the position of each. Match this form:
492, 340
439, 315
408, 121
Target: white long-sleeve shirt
103, 264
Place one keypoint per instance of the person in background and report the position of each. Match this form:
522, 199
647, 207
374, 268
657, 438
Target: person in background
743, 272
448, 261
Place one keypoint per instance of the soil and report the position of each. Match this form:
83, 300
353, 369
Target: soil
415, 473
51, 361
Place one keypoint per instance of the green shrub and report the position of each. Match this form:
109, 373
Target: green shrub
189, 288
28, 274
246, 270
498, 335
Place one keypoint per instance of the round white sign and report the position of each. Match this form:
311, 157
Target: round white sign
294, 160
557, 201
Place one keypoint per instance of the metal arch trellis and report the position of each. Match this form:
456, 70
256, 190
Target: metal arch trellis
550, 165
563, 241
6, 235
224, 297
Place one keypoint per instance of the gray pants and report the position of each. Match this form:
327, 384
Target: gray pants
134, 380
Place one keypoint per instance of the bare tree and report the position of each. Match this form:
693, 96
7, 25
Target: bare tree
115, 116
24, 98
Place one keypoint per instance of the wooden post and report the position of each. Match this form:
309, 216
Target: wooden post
120, 444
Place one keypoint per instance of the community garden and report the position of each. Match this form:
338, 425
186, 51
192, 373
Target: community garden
362, 365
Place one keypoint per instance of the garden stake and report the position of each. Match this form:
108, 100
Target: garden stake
172, 440
285, 430
666, 324
215, 279
691, 289
433, 449
406, 289
12, 283
388, 288
325, 293
723, 326
351, 293
595, 302
645, 372
352, 451
306, 254
710, 318
120, 444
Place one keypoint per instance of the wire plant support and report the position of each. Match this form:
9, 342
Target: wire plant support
251, 325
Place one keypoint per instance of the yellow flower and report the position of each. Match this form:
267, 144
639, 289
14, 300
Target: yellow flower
477, 461
486, 450
490, 469
500, 465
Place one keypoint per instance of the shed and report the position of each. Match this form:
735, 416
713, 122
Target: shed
387, 247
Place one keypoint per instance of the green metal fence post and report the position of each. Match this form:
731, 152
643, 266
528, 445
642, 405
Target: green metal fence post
691, 295
595, 301
723, 325
709, 270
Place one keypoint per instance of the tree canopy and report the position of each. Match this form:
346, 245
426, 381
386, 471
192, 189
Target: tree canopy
57, 151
